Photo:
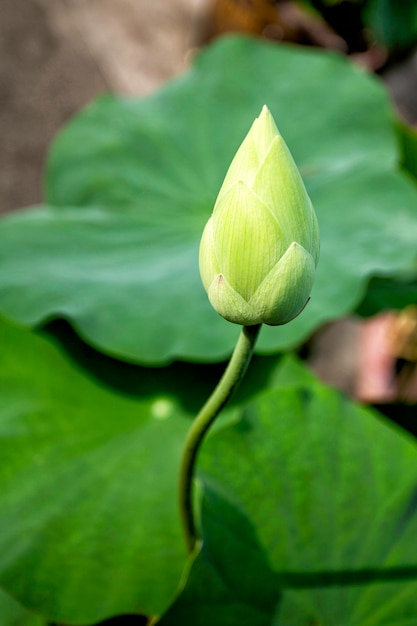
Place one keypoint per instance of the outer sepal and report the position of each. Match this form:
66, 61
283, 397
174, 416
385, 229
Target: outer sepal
230, 304
286, 290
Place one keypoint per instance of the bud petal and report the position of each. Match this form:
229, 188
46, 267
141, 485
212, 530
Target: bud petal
286, 290
246, 257
278, 183
247, 159
243, 167
209, 266
230, 304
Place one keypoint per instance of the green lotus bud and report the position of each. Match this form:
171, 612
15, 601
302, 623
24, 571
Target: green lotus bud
260, 247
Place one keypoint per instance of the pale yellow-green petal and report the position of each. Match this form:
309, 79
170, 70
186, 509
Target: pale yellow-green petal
315, 237
244, 166
279, 184
264, 131
209, 267
285, 291
247, 238
230, 305
251, 152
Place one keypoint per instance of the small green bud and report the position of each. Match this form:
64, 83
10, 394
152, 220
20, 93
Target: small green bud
260, 247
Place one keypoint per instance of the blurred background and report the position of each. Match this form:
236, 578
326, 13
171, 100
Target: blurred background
57, 55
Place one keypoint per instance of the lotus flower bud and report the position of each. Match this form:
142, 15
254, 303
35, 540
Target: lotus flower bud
260, 247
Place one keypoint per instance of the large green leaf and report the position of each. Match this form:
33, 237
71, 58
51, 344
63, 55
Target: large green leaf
399, 291
385, 294
309, 517
13, 614
88, 516
230, 582
131, 184
394, 22
89, 460
407, 141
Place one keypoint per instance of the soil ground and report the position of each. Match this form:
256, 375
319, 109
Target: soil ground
57, 55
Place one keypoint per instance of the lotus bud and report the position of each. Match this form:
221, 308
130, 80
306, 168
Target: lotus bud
260, 247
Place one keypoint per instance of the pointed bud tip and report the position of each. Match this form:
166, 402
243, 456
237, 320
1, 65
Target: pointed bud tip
265, 125
264, 114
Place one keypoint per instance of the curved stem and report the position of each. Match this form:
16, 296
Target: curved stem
227, 385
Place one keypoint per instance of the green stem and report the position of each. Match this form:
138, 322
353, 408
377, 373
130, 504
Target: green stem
228, 383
